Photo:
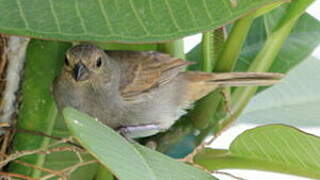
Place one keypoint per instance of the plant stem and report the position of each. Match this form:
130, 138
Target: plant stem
211, 45
213, 159
207, 107
264, 60
174, 48
232, 47
207, 43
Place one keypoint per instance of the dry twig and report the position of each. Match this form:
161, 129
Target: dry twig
16, 175
20, 154
228, 174
68, 171
189, 157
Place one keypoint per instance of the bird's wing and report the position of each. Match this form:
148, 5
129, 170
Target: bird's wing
142, 71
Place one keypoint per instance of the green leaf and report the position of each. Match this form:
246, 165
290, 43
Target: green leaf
118, 20
126, 160
294, 101
275, 148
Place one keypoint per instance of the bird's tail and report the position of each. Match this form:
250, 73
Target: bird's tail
199, 84
246, 78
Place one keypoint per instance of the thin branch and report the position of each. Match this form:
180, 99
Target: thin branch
57, 173
189, 157
228, 174
39, 133
5, 143
38, 151
31, 165
16, 175
68, 171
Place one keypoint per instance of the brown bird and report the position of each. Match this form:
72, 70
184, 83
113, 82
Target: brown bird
138, 93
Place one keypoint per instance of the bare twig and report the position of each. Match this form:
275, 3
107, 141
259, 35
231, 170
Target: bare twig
68, 171
57, 173
32, 166
228, 174
189, 157
37, 151
39, 133
5, 143
16, 175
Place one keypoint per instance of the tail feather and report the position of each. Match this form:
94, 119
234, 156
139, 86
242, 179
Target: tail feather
200, 84
247, 79
236, 78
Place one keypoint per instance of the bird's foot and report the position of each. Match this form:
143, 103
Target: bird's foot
130, 132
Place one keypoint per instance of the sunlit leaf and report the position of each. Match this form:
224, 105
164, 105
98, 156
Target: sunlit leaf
275, 148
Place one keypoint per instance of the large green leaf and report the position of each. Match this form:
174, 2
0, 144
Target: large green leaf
294, 101
118, 20
275, 148
127, 161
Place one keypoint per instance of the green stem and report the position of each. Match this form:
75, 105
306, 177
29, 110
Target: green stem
264, 60
207, 51
211, 44
227, 59
51, 119
37, 110
174, 48
213, 159
207, 107
232, 47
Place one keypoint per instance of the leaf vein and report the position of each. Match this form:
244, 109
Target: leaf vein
289, 149
172, 15
83, 26
55, 16
306, 152
190, 11
206, 8
138, 17
22, 15
265, 154
105, 16
275, 147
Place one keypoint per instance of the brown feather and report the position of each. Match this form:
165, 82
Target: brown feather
142, 71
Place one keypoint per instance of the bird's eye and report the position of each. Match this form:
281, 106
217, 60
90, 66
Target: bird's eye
99, 62
66, 61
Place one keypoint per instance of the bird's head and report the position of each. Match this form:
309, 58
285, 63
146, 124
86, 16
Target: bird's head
85, 63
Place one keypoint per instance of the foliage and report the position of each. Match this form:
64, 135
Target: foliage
265, 35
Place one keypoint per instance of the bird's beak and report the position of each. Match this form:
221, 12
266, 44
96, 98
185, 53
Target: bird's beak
80, 72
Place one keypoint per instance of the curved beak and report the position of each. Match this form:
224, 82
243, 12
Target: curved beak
80, 72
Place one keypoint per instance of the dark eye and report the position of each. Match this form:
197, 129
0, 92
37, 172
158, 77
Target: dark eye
99, 62
66, 61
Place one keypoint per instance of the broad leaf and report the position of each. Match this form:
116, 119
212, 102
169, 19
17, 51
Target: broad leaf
118, 20
124, 159
275, 148
294, 101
